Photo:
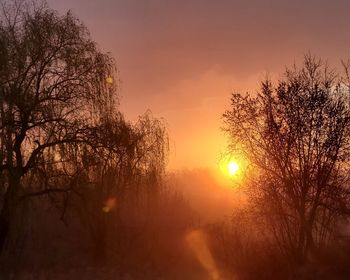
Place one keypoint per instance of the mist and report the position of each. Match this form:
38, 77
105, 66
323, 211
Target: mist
179, 157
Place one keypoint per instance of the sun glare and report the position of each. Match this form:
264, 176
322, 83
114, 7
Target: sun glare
232, 168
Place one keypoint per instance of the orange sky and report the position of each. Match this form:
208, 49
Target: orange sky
182, 59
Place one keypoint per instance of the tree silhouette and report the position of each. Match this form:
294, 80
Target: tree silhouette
125, 163
55, 87
295, 136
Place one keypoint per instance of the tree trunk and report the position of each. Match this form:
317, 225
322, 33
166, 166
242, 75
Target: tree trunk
100, 245
9, 207
4, 229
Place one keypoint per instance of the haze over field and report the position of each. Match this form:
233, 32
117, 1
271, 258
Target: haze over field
174, 140
183, 59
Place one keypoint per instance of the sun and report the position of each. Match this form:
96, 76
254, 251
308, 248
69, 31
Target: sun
232, 168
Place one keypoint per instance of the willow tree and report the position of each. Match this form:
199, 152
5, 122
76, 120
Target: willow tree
295, 136
120, 175
54, 84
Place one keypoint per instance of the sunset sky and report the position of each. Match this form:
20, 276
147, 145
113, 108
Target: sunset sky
182, 59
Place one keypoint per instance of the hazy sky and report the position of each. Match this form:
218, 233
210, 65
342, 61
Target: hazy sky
183, 58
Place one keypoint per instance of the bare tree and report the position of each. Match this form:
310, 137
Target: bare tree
295, 136
120, 171
54, 84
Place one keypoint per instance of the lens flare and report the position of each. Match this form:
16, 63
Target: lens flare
109, 204
197, 241
109, 80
